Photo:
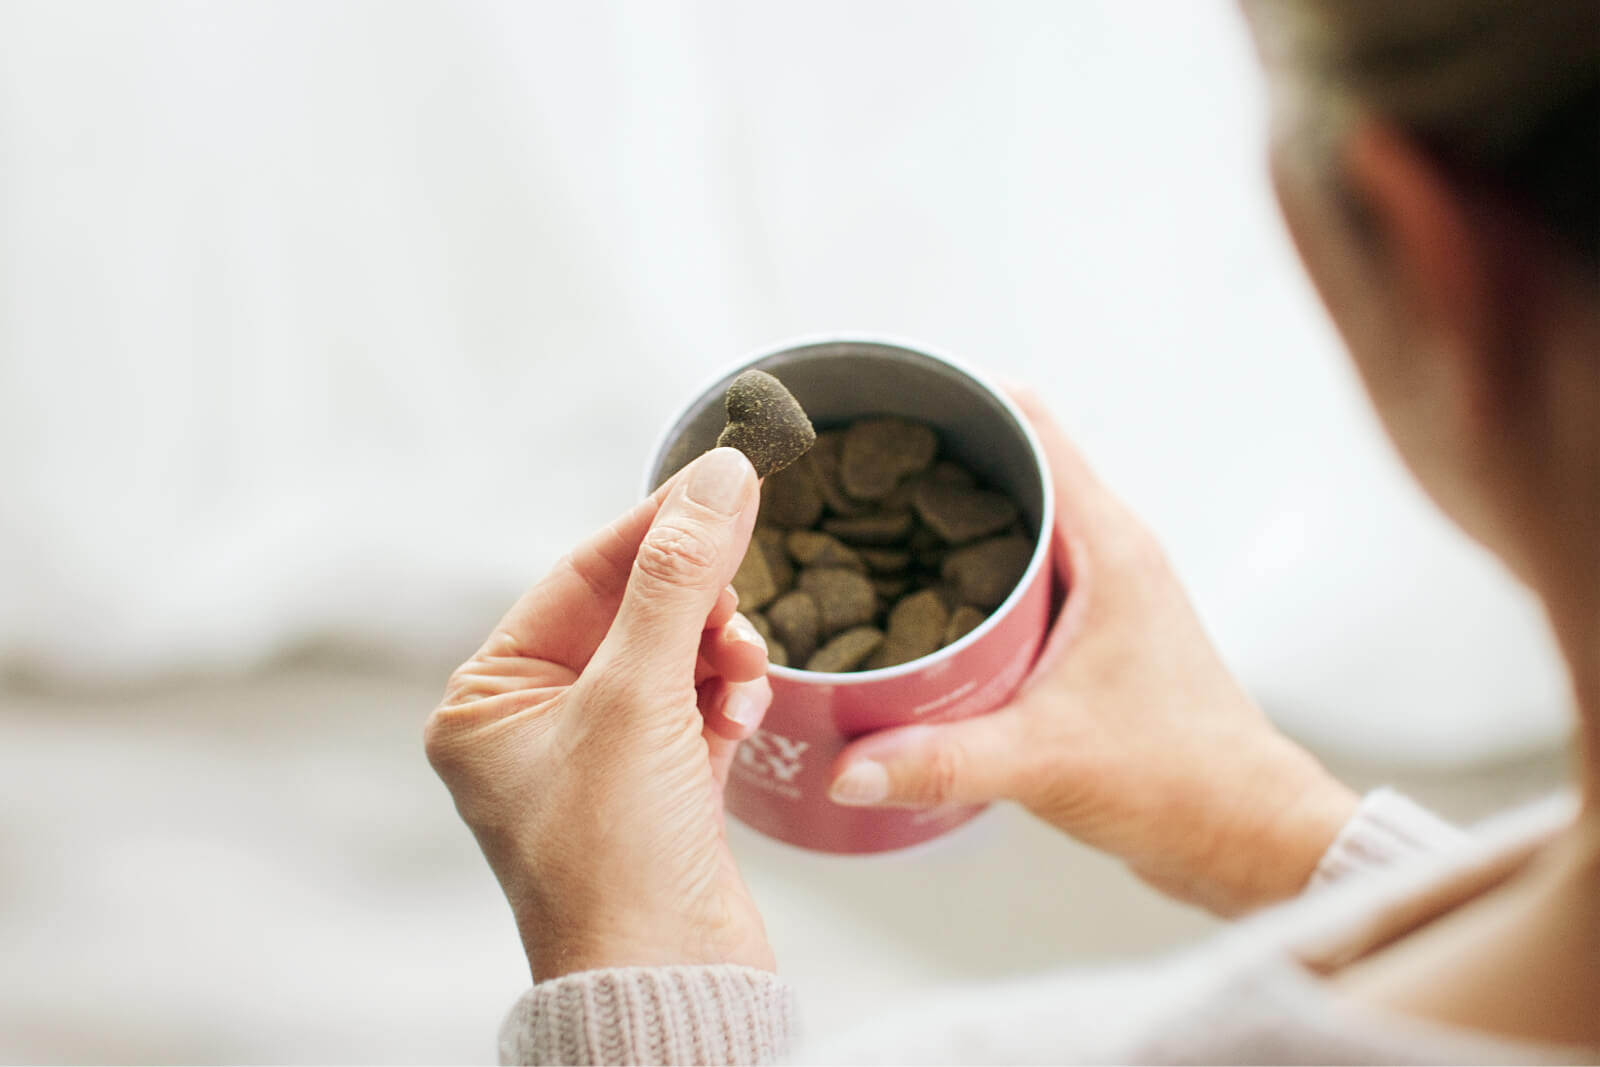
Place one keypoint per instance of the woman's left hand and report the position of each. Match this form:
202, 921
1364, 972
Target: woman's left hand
587, 743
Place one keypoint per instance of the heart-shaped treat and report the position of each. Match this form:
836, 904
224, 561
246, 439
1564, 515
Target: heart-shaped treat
766, 423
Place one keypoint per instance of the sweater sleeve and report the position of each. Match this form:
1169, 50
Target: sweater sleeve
1386, 828
735, 1015
710, 1015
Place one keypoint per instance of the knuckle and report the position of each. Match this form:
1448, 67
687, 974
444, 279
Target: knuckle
942, 772
439, 739
677, 552
461, 688
478, 677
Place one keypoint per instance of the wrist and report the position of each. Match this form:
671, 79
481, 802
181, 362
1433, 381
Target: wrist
561, 945
553, 960
1287, 823
1268, 828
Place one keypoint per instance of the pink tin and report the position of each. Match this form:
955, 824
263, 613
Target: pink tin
779, 782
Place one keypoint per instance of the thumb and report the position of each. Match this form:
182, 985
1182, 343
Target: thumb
969, 762
684, 561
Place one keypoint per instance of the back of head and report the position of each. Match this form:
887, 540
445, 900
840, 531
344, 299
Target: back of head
1505, 94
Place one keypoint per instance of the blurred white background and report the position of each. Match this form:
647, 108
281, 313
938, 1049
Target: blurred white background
327, 326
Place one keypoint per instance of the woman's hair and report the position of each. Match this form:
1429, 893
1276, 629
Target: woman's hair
1505, 94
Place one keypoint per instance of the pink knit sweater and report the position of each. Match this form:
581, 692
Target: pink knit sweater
1244, 996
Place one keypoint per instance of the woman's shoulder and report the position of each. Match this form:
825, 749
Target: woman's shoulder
1253, 993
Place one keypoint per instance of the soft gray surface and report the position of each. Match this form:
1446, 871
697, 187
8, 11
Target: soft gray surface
268, 871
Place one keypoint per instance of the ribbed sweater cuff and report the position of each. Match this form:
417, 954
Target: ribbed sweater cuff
711, 1015
1386, 828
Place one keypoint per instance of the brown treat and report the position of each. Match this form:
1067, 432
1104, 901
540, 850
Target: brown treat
765, 422
776, 653
881, 453
884, 528
927, 547
844, 597
947, 590
847, 651
902, 497
985, 573
884, 560
761, 625
916, 628
959, 514
822, 463
771, 542
789, 499
797, 621
891, 587
754, 580
963, 621
946, 473
812, 548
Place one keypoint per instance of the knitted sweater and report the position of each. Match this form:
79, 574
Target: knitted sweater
1245, 996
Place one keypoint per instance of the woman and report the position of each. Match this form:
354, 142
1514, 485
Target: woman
1437, 162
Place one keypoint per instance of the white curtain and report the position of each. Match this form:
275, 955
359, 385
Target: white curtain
335, 322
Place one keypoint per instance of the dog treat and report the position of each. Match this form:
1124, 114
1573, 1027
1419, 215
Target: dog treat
789, 498
778, 562
847, 651
891, 587
884, 528
884, 560
901, 498
797, 621
754, 580
985, 573
959, 514
822, 463
811, 548
845, 598
777, 652
916, 629
881, 453
765, 422
963, 621
841, 582
946, 473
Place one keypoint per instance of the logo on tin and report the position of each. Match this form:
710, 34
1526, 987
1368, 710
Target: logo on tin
772, 761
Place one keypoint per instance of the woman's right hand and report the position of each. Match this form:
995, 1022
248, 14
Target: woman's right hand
1131, 735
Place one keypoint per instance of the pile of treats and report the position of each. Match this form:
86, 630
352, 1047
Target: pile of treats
872, 551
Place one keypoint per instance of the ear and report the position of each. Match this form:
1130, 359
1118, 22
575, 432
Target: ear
1443, 258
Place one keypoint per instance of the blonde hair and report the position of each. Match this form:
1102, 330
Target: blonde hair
1505, 93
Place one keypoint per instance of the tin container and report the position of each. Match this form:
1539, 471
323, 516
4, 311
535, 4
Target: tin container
779, 782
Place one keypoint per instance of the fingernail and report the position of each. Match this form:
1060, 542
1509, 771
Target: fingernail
863, 782
741, 629
718, 480
731, 591
743, 707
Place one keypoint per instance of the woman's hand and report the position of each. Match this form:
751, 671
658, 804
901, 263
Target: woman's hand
587, 743
1131, 735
